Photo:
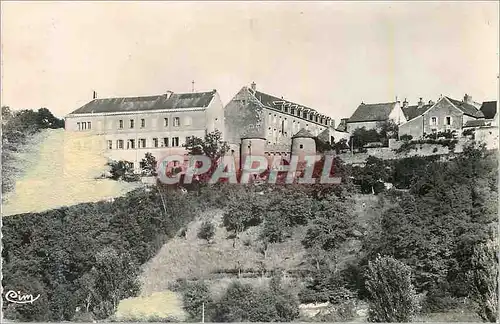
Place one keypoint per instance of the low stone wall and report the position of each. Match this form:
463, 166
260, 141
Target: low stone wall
389, 153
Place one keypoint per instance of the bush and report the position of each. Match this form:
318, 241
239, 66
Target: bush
392, 296
206, 231
194, 295
406, 137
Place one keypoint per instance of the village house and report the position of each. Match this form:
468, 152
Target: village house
446, 114
271, 118
133, 126
370, 116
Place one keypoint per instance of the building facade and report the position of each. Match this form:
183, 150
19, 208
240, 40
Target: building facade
370, 116
272, 118
446, 114
160, 124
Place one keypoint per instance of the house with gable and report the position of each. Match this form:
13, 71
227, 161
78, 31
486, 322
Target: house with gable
371, 115
446, 114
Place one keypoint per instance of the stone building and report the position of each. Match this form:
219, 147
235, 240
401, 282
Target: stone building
159, 124
446, 114
371, 115
271, 118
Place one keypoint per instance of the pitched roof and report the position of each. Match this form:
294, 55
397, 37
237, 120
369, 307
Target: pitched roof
478, 123
158, 102
489, 109
467, 109
303, 133
372, 112
411, 112
324, 135
272, 101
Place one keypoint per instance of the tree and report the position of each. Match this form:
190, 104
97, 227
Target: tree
333, 225
206, 231
484, 279
211, 145
361, 136
122, 170
388, 129
148, 165
195, 296
392, 296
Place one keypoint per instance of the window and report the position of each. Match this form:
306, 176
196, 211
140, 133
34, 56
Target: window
434, 121
79, 126
292, 111
447, 120
89, 125
110, 145
165, 122
175, 141
301, 146
131, 123
286, 109
282, 126
131, 144
155, 142
177, 121
304, 115
143, 123
119, 144
142, 143
120, 124
165, 141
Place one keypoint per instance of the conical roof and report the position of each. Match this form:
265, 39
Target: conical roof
303, 133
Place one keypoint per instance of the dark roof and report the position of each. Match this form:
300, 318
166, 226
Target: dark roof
489, 109
303, 133
158, 102
342, 127
269, 100
478, 123
372, 112
415, 111
467, 109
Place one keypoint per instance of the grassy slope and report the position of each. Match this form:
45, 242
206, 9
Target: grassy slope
59, 168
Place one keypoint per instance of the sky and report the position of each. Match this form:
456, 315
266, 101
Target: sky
329, 56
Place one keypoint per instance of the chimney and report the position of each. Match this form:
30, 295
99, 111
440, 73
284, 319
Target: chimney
431, 102
253, 86
467, 99
420, 102
94, 95
168, 93
405, 104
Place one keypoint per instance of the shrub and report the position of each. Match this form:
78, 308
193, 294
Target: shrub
406, 137
194, 295
392, 296
434, 150
206, 231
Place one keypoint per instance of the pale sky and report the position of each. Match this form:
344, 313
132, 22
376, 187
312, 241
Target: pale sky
329, 56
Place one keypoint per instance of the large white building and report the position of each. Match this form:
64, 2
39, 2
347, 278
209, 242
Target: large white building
159, 124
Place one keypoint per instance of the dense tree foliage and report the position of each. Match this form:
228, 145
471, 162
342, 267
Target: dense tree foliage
88, 255
392, 296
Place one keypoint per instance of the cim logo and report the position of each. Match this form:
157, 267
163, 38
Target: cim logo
17, 297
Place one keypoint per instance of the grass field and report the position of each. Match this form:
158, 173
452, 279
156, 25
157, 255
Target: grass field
58, 170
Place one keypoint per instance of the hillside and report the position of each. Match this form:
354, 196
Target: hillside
56, 169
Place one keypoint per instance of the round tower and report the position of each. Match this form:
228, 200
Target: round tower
303, 144
252, 143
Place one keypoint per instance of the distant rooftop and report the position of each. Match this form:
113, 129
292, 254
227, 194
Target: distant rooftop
157, 102
372, 112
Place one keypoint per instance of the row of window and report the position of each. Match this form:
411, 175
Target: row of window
84, 125
312, 116
143, 143
434, 121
